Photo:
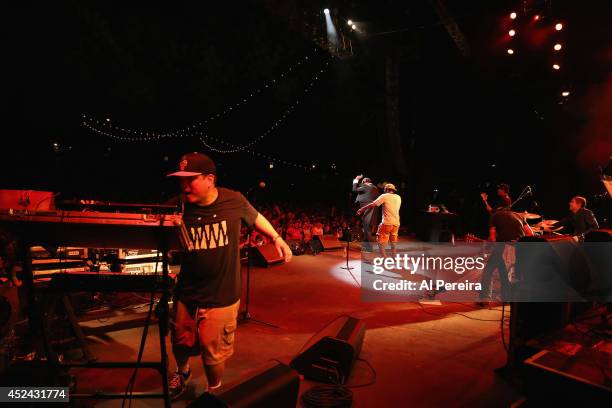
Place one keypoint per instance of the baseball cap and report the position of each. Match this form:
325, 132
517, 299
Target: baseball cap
390, 186
194, 164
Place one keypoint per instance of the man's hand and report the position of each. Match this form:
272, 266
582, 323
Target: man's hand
360, 211
484, 196
283, 249
359, 177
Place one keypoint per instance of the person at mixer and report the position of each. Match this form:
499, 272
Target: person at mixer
581, 220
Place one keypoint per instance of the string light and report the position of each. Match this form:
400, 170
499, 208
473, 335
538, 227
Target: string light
152, 136
275, 125
223, 112
193, 131
254, 153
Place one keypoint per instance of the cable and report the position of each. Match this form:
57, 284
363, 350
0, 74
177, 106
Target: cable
327, 396
371, 382
457, 313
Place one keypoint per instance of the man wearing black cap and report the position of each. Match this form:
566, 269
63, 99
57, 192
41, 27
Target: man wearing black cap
207, 294
366, 193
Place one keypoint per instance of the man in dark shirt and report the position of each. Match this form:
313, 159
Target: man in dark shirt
366, 193
504, 226
503, 195
581, 220
207, 294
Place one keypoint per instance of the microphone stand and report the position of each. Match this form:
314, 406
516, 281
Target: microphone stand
245, 316
526, 192
348, 241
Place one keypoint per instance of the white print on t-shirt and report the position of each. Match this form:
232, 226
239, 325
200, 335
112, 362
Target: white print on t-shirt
210, 236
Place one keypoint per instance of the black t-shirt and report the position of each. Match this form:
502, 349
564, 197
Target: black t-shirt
210, 274
508, 225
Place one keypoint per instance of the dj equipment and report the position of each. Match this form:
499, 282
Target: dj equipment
30, 200
107, 282
98, 229
330, 354
163, 232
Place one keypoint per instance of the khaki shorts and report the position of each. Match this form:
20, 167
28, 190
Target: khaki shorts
387, 233
209, 332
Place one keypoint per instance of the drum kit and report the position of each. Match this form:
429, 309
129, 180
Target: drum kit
546, 226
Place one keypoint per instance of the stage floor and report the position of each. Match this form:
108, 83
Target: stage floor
424, 355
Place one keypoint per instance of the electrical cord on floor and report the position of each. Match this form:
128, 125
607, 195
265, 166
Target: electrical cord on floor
335, 395
371, 382
327, 396
457, 313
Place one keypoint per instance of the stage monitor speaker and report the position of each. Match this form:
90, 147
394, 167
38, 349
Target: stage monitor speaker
266, 255
277, 386
325, 242
329, 356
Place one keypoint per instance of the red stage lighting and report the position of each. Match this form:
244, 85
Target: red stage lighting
510, 51
536, 17
511, 33
557, 47
513, 15
556, 67
558, 26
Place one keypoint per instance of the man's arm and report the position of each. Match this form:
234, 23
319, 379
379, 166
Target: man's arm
365, 208
373, 204
486, 202
564, 222
590, 221
263, 225
356, 187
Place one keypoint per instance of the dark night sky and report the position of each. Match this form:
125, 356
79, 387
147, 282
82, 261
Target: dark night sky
163, 68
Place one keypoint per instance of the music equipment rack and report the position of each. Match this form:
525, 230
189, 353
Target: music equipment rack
163, 232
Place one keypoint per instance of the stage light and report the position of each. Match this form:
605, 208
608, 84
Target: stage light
510, 51
271, 165
557, 47
536, 17
513, 15
354, 27
565, 93
107, 119
350, 22
559, 27
326, 11
332, 34
556, 67
511, 33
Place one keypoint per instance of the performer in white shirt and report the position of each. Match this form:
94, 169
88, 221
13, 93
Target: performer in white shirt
389, 226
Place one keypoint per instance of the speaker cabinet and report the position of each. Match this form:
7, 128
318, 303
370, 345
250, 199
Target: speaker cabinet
325, 242
276, 386
330, 355
266, 255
